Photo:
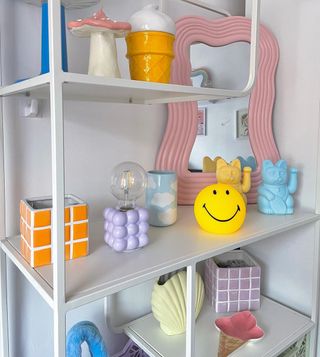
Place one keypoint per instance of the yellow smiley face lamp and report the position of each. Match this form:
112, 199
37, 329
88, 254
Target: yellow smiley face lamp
220, 209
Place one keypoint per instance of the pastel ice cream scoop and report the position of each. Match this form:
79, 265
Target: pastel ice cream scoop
236, 330
150, 18
150, 45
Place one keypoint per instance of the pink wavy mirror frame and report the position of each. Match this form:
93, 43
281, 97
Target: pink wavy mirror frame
181, 130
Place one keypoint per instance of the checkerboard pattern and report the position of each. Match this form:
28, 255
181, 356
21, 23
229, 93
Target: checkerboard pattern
233, 289
35, 229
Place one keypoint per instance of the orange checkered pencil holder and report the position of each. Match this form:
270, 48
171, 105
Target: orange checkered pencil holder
35, 229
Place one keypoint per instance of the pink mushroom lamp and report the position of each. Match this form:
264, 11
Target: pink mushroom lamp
236, 330
103, 51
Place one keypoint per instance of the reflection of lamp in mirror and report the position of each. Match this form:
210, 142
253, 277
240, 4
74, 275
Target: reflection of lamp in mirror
203, 75
126, 225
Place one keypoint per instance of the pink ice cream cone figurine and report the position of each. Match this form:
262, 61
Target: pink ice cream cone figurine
103, 51
236, 330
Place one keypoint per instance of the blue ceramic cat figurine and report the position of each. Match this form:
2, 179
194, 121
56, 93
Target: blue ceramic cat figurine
274, 193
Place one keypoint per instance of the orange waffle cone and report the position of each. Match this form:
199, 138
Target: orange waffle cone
150, 54
228, 344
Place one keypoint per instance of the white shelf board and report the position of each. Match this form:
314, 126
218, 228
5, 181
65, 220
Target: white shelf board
37, 87
105, 272
118, 90
32, 275
282, 327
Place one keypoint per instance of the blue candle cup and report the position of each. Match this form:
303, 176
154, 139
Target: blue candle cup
161, 198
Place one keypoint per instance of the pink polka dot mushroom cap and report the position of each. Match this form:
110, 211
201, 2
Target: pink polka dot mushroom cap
98, 22
102, 32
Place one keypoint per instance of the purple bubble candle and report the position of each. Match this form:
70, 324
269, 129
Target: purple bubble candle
126, 226
128, 229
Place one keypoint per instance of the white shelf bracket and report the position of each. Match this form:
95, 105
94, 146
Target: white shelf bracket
29, 107
190, 310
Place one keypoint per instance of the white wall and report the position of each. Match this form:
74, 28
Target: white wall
98, 136
288, 258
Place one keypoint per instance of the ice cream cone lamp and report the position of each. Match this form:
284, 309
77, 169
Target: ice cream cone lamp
150, 45
126, 226
103, 51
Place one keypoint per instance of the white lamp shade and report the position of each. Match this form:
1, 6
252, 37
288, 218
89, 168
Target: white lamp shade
69, 4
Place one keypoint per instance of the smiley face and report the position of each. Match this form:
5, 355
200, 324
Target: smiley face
220, 209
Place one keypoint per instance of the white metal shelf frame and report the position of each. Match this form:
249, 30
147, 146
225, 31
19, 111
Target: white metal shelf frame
58, 178
55, 78
4, 336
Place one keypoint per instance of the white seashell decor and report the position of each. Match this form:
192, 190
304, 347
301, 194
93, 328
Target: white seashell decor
169, 303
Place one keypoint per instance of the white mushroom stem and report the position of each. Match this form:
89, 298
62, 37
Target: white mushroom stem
103, 55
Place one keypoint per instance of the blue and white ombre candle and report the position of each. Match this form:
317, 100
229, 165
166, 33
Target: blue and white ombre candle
161, 198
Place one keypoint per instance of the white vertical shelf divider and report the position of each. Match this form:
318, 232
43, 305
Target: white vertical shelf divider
4, 335
254, 45
190, 311
57, 152
314, 336
4, 341
315, 290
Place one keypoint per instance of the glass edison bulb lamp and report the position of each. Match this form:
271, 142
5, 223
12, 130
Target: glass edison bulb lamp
128, 182
126, 226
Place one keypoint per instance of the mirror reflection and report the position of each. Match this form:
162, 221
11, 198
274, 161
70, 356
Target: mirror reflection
222, 125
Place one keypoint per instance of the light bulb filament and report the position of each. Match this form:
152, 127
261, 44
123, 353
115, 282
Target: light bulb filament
127, 182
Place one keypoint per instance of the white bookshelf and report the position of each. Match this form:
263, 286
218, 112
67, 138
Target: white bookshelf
104, 272
282, 327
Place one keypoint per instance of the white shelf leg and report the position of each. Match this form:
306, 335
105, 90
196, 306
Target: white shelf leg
314, 335
4, 334
191, 298
4, 341
315, 292
57, 152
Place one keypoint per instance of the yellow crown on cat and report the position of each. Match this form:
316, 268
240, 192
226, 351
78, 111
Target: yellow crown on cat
230, 174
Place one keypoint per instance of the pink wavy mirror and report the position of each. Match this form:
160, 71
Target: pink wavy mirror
181, 130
